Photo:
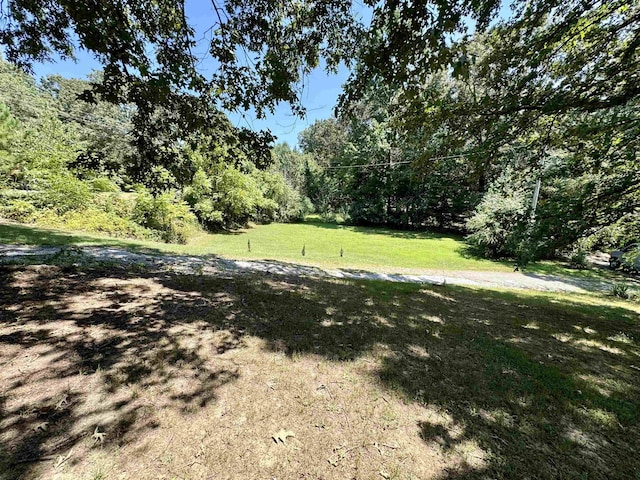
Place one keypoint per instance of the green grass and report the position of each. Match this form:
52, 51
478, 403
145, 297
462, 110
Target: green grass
364, 248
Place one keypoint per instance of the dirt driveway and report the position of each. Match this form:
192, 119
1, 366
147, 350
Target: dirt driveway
211, 265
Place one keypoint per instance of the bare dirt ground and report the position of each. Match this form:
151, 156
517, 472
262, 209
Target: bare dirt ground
120, 377
119, 374
210, 265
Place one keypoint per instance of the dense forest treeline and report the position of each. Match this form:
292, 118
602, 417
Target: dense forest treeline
65, 162
74, 164
453, 112
435, 155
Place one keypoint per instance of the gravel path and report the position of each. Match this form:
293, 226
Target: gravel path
211, 265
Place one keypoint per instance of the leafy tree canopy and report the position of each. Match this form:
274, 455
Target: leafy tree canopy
550, 55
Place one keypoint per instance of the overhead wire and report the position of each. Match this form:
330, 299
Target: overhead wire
404, 162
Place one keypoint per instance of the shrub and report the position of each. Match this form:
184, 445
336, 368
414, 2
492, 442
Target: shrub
237, 195
306, 207
207, 213
170, 216
103, 184
98, 221
578, 259
19, 211
281, 202
620, 290
66, 193
227, 198
328, 216
121, 204
498, 224
623, 291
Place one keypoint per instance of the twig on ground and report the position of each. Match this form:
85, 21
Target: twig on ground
326, 388
392, 447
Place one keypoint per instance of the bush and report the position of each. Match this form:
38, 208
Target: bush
103, 184
498, 226
578, 259
65, 193
120, 204
227, 198
97, 221
281, 202
621, 290
207, 213
237, 195
306, 207
166, 214
328, 216
19, 211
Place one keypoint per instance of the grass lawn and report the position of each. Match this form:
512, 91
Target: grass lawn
115, 374
376, 249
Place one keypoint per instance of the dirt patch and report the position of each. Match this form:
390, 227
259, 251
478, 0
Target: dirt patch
107, 374
211, 265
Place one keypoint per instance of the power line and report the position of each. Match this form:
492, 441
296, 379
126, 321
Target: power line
444, 157
387, 164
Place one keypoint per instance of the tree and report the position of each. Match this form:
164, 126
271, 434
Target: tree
323, 144
556, 80
547, 55
265, 48
324, 139
553, 90
8, 127
291, 165
21, 95
105, 128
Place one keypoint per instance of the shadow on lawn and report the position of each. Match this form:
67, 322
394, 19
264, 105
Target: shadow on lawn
546, 389
557, 269
14, 233
387, 231
120, 344
30, 235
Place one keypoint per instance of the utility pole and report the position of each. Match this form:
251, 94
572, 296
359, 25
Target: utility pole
536, 194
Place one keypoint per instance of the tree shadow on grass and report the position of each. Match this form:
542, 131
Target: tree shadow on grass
95, 345
30, 235
467, 251
531, 385
13, 233
537, 384
422, 234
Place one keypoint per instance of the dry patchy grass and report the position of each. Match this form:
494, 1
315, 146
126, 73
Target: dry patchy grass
108, 374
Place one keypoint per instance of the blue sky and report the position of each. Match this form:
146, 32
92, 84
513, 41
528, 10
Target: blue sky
319, 96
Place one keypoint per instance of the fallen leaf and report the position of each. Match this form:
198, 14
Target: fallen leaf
41, 426
98, 436
282, 436
385, 475
61, 459
64, 401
